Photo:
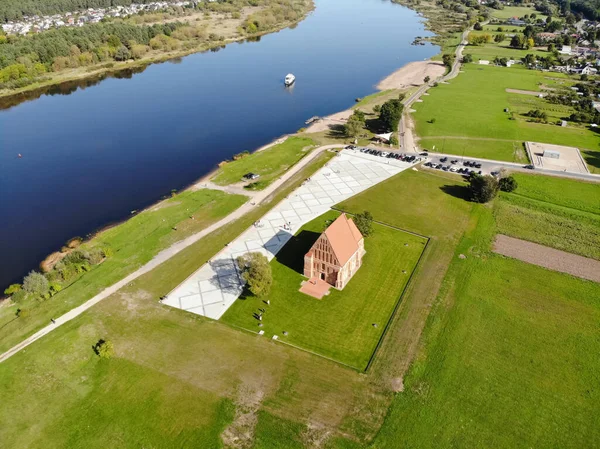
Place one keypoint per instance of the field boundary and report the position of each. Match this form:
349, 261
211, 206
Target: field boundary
389, 321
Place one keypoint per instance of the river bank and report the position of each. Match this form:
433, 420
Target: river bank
100, 71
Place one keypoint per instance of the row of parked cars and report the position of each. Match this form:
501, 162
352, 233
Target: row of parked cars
389, 155
452, 168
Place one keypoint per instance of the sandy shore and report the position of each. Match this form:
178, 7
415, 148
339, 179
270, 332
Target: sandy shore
410, 75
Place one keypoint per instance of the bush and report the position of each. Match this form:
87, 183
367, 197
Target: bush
508, 184
23, 313
18, 296
104, 349
36, 284
12, 289
364, 223
394, 140
483, 188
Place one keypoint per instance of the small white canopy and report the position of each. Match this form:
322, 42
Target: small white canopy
385, 137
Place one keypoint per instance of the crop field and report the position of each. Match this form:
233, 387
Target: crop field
270, 163
344, 325
472, 106
516, 11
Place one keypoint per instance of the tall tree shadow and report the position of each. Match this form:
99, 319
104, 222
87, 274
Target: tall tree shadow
457, 191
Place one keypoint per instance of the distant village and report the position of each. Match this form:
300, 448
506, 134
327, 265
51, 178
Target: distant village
37, 24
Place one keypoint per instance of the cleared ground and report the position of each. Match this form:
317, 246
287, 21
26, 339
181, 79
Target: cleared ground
345, 325
550, 258
570, 159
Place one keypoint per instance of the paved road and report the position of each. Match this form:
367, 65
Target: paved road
406, 136
166, 254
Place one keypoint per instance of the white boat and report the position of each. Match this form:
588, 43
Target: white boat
289, 79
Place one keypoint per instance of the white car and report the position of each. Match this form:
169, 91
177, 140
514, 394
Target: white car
384, 154
453, 169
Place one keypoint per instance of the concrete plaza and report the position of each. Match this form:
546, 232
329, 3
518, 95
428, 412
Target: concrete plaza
215, 286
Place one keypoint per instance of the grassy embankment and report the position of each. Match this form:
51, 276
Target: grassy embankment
132, 244
197, 370
269, 163
507, 359
470, 119
341, 325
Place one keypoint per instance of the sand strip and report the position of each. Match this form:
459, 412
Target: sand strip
543, 256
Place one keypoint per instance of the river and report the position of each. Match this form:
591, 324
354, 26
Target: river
91, 157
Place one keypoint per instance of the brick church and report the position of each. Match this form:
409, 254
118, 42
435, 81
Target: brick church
337, 254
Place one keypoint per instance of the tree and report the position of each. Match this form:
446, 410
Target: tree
36, 284
448, 60
477, 26
483, 188
508, 184
467, 58
499, 37
353, 127
104, 349
256, 271
426, 79
122, 54
391, 112
377, 108
364, 223
517, 41
394, 140
12, 289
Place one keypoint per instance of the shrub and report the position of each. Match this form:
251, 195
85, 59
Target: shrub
364, 223
508, 184
18, 296
12, 289
104, 349
23, 313
96, 255
36, 284
394, 140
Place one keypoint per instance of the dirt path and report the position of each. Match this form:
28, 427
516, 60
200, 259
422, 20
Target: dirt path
525, 92
166, 254
543, 256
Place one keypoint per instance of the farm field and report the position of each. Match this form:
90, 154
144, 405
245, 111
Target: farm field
344, 325
270, 163
473, 106
516, 11
132, 243
507, 359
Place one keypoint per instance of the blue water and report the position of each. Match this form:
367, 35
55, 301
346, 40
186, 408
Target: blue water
91, 157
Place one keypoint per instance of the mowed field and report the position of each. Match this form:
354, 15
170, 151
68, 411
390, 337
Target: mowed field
472, 107
344, 325
269, 163
509, 358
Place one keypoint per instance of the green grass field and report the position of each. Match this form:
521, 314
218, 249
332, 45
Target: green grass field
509, 358
472, 106
561, 213
133, 243
339, 326
270, 163
516, 11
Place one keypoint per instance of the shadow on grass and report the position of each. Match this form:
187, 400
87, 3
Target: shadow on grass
456, 191
592, 158
292, 254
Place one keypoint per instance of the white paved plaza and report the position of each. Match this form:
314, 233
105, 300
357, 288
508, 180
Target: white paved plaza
215, 286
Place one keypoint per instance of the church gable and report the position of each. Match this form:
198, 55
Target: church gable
323, 252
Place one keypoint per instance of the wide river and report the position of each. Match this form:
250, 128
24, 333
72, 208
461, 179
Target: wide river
91, 157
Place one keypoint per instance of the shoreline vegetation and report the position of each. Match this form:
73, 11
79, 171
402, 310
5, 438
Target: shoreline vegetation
175, 35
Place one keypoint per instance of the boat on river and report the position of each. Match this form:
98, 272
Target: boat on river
289, 79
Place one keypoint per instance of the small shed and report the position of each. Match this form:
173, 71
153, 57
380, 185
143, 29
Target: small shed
552, 154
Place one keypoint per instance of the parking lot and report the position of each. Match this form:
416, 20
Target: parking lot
410, 158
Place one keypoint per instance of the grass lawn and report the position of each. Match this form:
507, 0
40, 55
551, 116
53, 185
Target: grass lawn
501, 50
340, 326
561, 213
473, 104
502, 150
516, 11
509, 358
133, 243
270, 163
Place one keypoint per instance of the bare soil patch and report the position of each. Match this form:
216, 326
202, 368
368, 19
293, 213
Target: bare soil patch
412, 74
240, 433
543, 256
525, 92
325, 123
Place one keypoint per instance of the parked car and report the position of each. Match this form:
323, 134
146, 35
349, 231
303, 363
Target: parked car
529, 167
444, 159
251, 176
477, 165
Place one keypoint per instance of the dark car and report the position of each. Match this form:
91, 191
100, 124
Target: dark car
251, 176
444, 159
477, 165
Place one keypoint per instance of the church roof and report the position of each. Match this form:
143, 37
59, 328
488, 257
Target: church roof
343, 236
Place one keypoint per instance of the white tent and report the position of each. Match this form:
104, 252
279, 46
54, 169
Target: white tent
385, 137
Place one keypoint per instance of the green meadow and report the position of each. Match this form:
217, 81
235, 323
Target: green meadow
472, 107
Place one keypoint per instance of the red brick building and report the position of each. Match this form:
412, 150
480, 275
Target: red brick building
337, 254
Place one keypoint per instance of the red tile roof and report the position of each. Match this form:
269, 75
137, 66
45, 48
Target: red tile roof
344, 237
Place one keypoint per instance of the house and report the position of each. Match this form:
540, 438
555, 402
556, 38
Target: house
337, 254
589, 70
565, 50
515, 21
